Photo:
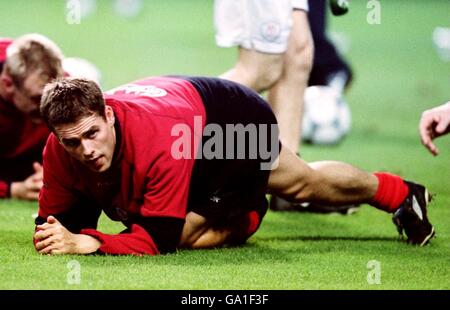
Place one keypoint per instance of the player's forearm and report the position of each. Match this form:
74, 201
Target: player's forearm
86, 244
137, 242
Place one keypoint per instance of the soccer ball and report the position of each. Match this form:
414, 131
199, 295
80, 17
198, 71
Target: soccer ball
326, 116
81, 68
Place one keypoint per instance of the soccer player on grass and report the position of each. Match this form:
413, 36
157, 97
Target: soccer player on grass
26, 65
153, 155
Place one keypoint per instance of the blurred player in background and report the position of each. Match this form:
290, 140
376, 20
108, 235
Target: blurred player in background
433, 124
144, 153
275, 51
329, 69
27, 64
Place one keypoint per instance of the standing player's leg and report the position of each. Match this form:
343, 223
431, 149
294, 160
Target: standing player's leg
260, 30
287, 95
275, 54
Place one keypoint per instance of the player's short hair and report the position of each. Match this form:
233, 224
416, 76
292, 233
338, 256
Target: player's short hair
30, 53
66, 101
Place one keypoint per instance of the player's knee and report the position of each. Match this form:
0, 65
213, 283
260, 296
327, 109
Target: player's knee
194, 227
262, 73
267, 76
235, 233
300, 58
211, 238
300, 51
306, 59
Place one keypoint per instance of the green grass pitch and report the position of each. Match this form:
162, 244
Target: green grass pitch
397, 75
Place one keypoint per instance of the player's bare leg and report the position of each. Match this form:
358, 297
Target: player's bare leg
331, 183
336, 183
286, 75
326, 182
195, 225
256, 70
212, 238
287, 95
198, 233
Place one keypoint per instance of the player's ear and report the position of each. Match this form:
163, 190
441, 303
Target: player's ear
7, 82
109, 113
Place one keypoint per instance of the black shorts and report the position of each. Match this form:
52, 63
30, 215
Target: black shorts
222, 189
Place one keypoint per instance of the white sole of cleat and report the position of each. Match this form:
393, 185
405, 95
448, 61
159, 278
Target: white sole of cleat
431, 235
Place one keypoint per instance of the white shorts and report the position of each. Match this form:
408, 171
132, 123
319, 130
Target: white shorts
262, 25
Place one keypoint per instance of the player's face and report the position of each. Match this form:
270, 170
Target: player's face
27, 97
91, 140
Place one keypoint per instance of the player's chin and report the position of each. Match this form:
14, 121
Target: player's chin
101, 165
95, 169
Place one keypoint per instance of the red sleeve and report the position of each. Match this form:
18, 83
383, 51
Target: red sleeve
167, 189
165, 199
56, 196
163, 212
168, 179
4, 189
166, 194
137, 242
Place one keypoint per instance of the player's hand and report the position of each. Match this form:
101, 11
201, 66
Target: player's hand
434, 123
53, 238
30, 187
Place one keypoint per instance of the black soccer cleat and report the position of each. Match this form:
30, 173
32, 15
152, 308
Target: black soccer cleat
411, 216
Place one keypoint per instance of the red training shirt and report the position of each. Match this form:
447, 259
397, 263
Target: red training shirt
153, 184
